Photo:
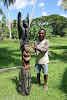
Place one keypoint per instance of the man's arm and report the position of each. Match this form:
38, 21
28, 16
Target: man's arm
44, 48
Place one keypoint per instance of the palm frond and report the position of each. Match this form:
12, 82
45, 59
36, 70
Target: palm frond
8, 2
1, 11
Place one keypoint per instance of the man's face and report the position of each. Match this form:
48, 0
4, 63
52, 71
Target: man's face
41, 34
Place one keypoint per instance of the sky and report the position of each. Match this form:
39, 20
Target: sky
35, 8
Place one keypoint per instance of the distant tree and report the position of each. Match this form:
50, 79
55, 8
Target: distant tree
1, 11
34, 31
53, 24
3, 22
14, 29
58, 23
7, 3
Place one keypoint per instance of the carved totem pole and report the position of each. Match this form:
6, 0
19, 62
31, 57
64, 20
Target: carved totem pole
24, 85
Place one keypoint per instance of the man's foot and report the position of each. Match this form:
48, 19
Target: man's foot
45, 88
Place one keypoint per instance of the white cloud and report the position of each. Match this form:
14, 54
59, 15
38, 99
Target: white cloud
41, 4
32, 2
44, 13
22, 4
65, 15
59, 2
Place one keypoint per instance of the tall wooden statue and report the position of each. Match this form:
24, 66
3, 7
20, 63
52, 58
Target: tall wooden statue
24, 76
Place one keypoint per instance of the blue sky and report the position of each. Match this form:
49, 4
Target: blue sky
40, 8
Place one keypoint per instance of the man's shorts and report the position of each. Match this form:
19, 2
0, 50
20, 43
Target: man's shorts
44, 68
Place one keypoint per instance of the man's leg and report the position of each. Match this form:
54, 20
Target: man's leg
38, 78
45, 80
37, 69
45, 66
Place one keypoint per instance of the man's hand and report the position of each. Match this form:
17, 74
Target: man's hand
32, 45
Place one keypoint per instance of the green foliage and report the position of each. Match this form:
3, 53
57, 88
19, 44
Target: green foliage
64, 31
34, 32
53, 24
49, 31
7, 3
14, 30
4, 19
1, 11
14, 33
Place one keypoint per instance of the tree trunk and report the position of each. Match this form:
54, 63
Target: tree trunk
9, 24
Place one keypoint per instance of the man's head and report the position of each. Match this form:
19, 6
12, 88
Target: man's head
42, 34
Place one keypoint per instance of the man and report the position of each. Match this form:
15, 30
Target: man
41, 48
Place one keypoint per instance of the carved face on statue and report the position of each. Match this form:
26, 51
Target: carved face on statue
26, 47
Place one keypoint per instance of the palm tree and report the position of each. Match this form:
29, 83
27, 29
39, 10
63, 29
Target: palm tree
7, 3
32, 11
1, 11
64, 4
3, 24
1, 15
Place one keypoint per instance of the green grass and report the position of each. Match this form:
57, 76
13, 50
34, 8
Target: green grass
10, 55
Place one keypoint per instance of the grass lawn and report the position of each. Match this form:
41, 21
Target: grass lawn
10, 56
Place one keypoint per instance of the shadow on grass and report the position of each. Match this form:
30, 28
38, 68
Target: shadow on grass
8, 57
58, 47
34, 81
61, 56
55, 56
63, 86
16, 81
